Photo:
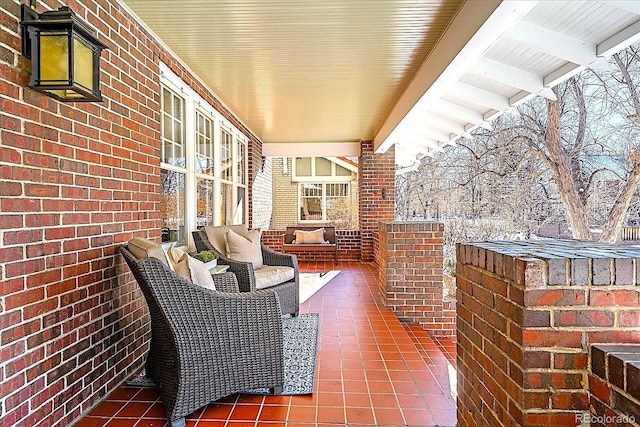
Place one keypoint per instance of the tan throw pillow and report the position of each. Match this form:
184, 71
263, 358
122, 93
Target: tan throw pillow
244, 248
143, 249
174, 254
194, 271
309, 237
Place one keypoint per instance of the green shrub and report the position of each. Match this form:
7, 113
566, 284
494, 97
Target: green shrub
206, 256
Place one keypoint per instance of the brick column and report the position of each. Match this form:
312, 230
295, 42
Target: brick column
527, 315
376, 194
409, 258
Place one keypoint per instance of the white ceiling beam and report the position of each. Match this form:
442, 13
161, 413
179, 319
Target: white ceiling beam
434, 133
465, 114
512, 76
417, 137
479, 96
563, 73
520, 98
318, 149
619, 41
554, 43
474, 30
441, 122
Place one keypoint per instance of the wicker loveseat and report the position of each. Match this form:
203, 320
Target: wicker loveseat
213, 238
207, 344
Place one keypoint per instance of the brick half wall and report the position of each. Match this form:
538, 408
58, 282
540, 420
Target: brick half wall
408, 256
349, 243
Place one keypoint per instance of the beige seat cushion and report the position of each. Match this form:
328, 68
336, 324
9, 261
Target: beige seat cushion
216, 235
268, 276
245, 248
143, 249
309, 237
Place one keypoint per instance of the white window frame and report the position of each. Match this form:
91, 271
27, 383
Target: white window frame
323, 199
313, 178
193, 105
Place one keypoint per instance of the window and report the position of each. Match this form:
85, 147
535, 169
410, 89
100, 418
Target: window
205, 170
337, 197
203, 163
323, 169
172, 128
324, 189
311, 202
172, 204
172, 176
227, 165
323, 201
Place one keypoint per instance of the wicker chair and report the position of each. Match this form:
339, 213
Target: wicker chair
288, 291
207, 344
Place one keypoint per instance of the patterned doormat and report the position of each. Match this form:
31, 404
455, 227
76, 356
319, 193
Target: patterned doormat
300, 346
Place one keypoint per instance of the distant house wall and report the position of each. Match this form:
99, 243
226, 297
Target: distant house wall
285, 196
262, 206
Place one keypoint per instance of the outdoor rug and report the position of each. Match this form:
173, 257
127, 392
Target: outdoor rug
310, 283
300, 344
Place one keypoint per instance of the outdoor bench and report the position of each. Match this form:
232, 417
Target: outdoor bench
326, 243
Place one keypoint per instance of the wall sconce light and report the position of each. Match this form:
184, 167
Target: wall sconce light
65, 55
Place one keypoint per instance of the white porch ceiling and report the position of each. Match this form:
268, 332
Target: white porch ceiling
316, 78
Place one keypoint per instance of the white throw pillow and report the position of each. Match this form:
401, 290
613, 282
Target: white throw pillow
244, 248
309, 237
190, 268
200, 274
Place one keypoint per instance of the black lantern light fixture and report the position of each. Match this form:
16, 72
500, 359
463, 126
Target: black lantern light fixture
65, 55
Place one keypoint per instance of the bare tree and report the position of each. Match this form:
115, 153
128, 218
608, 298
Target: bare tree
576, 159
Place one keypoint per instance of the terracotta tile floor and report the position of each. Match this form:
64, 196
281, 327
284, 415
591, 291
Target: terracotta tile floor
371, 370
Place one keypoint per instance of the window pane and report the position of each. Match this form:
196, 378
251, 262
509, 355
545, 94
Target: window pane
172, 206
227, 166
311, 202
323, 167
303, 166
340, 207
204, 145
342, 171
242, 159
238, 217
226, 204
204, 202
172, 128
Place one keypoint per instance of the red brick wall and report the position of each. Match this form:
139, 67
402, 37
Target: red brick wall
614, 382
376, 187
348, 245
77, 180
527, 315
409, 256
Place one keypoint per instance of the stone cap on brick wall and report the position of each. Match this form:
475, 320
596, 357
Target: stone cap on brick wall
406, 226
553, 248
556, 262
